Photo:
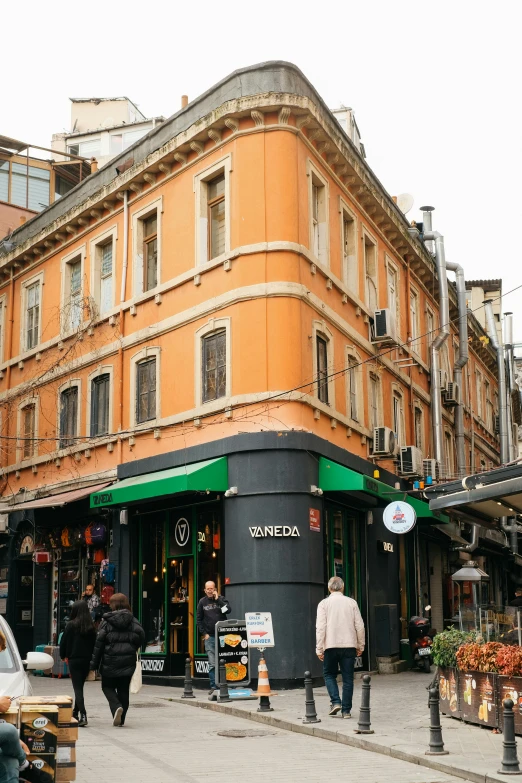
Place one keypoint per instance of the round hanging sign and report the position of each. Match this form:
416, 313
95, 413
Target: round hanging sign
399, 517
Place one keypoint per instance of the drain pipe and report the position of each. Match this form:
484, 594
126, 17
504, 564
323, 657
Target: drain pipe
511, 527
460, 362
508, 347
502, 398
436, 402
427, 227
474, 542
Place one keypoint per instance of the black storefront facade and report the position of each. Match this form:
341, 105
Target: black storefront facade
268, 517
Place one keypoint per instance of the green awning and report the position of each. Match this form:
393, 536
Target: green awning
336, 478
211, 475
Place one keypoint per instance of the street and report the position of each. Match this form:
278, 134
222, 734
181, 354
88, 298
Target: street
164, 742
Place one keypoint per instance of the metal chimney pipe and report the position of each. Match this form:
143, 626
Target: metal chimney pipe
502, 398
436, 402
427, 226
460, 362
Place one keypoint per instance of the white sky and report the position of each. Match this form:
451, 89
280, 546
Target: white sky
435, 88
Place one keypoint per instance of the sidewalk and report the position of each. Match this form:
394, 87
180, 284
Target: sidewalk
400, 719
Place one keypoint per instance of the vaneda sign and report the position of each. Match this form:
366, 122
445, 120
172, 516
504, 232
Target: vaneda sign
276, 531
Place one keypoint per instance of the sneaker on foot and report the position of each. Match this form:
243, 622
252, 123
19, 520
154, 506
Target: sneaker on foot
117, 717
347, 715
334, 709
211, 691
34, 775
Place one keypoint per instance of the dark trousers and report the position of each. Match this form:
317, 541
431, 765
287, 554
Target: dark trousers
116, 690
342, 658
79, 669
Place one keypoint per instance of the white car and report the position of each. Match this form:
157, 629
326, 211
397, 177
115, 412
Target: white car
13, 678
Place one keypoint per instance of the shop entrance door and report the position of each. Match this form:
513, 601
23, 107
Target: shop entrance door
180, 589
344, 532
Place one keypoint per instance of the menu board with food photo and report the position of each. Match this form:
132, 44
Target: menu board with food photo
448, 692
232, 650
478, 698
511, 688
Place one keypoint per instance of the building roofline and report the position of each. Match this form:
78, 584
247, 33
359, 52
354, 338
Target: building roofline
77, 134
273, 77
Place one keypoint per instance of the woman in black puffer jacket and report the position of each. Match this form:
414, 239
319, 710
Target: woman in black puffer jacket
119, 638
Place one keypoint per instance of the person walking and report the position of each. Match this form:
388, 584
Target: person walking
76, 646
120, 636
339, 639
211, 608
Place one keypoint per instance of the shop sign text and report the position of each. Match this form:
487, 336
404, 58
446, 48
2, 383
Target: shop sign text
275, 531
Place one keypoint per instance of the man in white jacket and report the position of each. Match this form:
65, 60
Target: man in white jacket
339, 639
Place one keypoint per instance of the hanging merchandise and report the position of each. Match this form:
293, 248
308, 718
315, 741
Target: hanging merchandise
95, 533
55, 538
99, 556
108, 572
65, 537
106, 594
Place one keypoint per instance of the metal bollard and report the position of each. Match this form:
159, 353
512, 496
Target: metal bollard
510, 765
363, 726
264, 704
310, 713
188, 693
436, 743
223, 687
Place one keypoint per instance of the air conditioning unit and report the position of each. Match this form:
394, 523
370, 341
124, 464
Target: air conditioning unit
431, 467
443, 375
384, 327
384, 441
452, 394
411, 461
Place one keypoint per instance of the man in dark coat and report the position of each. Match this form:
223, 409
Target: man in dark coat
211, 608
119, 638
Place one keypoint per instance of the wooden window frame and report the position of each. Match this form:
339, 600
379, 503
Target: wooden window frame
67, 439
147, 240
95, 384
205, 342
214, 202
149, 360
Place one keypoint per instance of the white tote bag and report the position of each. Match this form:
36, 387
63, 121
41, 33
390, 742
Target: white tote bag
136, 681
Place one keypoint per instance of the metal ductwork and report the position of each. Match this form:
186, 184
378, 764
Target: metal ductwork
460, 362
511, 527
474, 542
505, 454
438, 342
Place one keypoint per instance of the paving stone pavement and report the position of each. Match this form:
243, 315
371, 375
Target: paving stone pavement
167, 742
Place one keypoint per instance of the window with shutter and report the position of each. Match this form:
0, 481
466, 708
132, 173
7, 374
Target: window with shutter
106, 296
322, 369
100, 390
32, 315
214, 366
150, 252
351, 377
28, 429
68, 416
370, 271
75, 294
216, 216
146, 391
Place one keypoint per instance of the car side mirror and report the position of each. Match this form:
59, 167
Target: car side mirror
38, 660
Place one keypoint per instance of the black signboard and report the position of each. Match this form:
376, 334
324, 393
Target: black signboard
478, 698
180, 537
232, 650
510, 688
448, 691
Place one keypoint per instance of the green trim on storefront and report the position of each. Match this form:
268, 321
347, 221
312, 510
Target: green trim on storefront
334, 477
208, 476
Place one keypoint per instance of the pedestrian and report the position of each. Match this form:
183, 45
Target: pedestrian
119, 638
211, 608
339, 640
90, 597
517, 600
76, 646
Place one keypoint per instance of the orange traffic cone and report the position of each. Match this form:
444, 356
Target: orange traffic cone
263, 687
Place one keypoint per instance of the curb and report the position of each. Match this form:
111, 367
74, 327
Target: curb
345, 739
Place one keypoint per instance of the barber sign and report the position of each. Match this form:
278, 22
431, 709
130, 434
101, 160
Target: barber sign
399, 517
259, 629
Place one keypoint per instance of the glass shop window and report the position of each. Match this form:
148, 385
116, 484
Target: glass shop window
153, 583
209, 551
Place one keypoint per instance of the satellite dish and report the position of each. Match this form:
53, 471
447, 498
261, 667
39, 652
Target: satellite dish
405, 202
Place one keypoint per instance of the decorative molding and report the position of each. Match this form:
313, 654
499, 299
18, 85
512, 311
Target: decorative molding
49, 244
165, 168
315, 134
70, 229
232, 124
197, 279
317, 414
323, 146
108, 205
150, 178
180, 157
96, 214
120, 195
60, 237
329, 284
258, 117
215, 135
302, 121
135, 186
284, 115
197, 146
333, 158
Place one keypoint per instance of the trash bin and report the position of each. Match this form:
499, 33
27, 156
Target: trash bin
406, 652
